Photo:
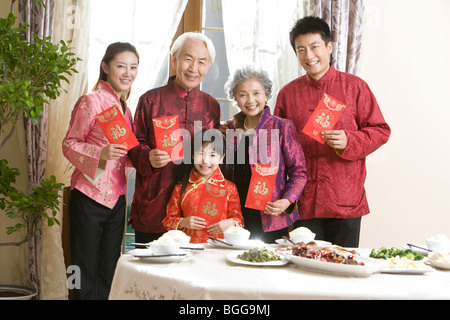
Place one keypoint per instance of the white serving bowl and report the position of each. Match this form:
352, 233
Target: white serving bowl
236, 235
160, 249
438, 245
302, 237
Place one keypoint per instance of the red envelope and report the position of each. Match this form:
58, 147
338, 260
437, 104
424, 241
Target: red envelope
166, 138
212, 203
116, 130
324, 117
261, 186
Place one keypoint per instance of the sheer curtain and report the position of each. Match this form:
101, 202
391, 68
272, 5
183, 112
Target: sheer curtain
257, 34
167, 18
148, 24
71, 22
345, 18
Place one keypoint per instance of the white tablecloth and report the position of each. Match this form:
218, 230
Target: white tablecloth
209, 275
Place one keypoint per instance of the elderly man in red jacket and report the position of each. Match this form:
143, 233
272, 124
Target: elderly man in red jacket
192, 55
334, 198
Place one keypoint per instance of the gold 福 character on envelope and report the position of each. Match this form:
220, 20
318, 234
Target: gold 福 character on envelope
169, 141
323, 120
117, 132
210, 208
261, 188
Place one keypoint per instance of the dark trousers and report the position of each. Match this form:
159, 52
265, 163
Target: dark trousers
342, 232
253, 223
142, 237
96, 234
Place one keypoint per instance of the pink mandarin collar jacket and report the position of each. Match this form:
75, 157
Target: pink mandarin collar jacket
85, 140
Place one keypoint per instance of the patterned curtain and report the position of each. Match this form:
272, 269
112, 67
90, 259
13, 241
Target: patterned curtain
40, 20
345, 18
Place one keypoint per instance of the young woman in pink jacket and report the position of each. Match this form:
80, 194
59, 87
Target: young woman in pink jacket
98, 184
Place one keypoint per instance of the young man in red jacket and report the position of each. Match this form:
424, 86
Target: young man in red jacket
334, 198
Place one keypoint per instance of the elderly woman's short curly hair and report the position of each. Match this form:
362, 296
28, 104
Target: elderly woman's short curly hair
245, 74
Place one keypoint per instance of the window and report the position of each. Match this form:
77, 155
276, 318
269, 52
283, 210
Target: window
218, 74
144, 24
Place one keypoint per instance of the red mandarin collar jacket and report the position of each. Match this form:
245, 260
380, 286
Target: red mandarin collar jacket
335, 187
187, 205
154, 186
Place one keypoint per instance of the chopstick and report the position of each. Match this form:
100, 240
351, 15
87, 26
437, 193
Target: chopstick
148, 245
193, 248
140, 244
288, 239
161, 255
218, 240
422, 248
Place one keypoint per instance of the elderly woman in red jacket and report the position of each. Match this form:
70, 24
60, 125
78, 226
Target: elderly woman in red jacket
263, 135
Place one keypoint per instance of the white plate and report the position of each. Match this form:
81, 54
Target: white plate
407, 271
249, 244
286, 243
370, 266
148, 255
190, 246
193, 246
418, 250
398, 270
232, 256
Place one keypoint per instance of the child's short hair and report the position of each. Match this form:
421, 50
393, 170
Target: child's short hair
200, 140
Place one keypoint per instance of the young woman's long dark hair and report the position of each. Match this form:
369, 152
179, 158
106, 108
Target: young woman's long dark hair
206, 137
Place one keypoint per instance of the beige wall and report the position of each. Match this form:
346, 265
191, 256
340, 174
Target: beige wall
405, 61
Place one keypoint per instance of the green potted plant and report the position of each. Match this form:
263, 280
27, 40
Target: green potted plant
31, 73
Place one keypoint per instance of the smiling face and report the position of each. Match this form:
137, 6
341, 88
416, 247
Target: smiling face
121, 72
251, 98
206, 160
313, 54
191, 64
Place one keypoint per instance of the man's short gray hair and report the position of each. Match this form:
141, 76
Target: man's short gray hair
245, 74
178, 44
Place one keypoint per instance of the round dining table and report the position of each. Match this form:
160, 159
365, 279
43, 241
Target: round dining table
210, 274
